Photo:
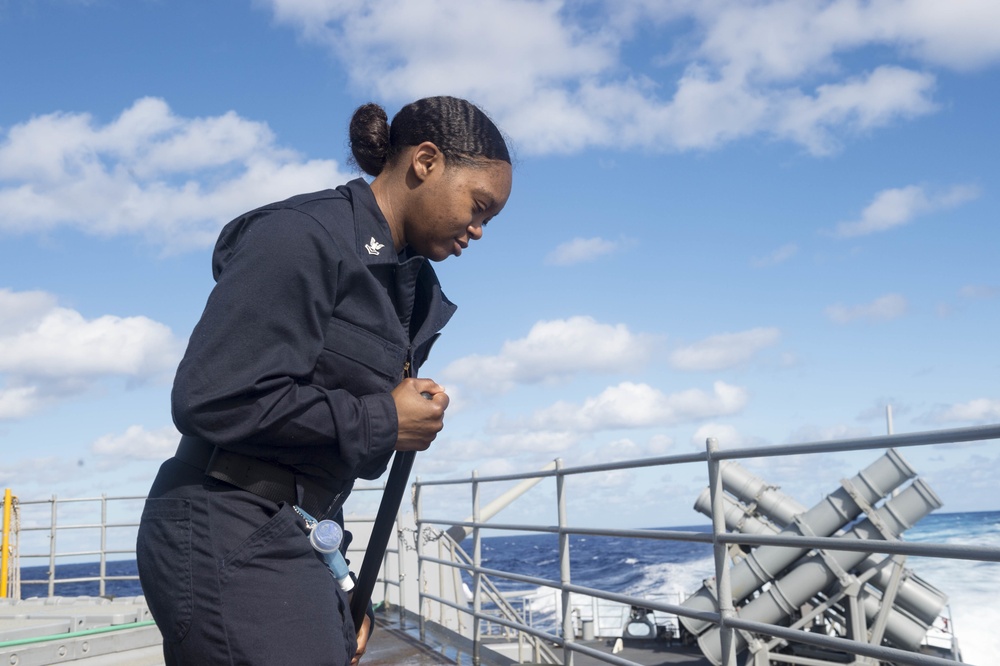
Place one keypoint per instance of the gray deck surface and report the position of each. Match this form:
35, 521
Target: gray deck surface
391, 644
646, 653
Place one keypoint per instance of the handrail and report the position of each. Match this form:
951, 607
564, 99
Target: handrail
924, 438
54, 527
491, 590
100, 549
724, 618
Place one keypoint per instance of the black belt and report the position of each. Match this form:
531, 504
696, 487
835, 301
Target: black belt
268, 480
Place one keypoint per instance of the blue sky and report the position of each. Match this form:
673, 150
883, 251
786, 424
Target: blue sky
759, 221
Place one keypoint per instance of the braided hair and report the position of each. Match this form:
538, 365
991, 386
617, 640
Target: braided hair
460, 130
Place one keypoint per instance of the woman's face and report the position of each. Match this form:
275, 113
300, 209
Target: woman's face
453, 204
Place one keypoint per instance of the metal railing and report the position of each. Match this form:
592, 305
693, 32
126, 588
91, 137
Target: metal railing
82, 548
90, 542
393, 571
725, 616
503, 620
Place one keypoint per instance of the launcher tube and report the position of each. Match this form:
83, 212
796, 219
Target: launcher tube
763, 564
915, 595
786, 595
752, 489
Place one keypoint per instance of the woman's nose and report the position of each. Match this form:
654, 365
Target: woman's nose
475, 231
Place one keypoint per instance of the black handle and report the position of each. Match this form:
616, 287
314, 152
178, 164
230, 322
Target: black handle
392, 498
395, 487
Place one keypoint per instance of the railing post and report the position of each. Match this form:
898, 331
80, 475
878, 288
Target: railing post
477, 576
385, 562
104, 542
420, 560
440, 580
400, 565
723, 589
564, 565
52, 550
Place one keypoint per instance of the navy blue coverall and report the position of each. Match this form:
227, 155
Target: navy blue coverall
313, 320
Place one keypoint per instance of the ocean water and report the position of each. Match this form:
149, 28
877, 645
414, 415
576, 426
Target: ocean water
670, 571
643, 567
973, 588
113, 588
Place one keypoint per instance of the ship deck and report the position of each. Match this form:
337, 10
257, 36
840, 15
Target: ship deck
95, 631
395, 643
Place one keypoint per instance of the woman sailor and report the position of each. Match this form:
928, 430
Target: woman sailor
300, 377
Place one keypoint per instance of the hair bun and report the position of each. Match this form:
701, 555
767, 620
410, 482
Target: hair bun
369, 136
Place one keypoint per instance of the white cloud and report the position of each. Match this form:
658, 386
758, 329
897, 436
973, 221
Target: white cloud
137, 443
554, 73
881, 408
780, 255
172, 180
48, 352
537, 443
959, 35
979, 291
813, 433
553, 350
45, 472
616, 450
660, 445
724, 350
629, 405
580, 250
979, 410
728, 436
784, 39
884, 308
18, 401
507, 449
861, 103
898, 206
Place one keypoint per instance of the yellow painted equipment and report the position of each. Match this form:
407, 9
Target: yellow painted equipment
5, 556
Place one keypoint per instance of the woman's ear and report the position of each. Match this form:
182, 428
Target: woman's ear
427, 160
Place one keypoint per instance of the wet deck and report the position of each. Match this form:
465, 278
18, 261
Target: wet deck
395, 644
391, 645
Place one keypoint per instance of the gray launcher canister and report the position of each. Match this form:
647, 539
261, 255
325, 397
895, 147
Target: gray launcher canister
786, 595
738, 517
753, 490
901, 629
915, 595
763, 564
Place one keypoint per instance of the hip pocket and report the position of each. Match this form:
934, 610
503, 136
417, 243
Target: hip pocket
276, 541
163, 557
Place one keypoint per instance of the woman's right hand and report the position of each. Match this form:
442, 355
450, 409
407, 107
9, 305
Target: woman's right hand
420, 418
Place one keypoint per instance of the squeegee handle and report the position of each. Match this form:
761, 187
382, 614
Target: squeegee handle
395, 487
